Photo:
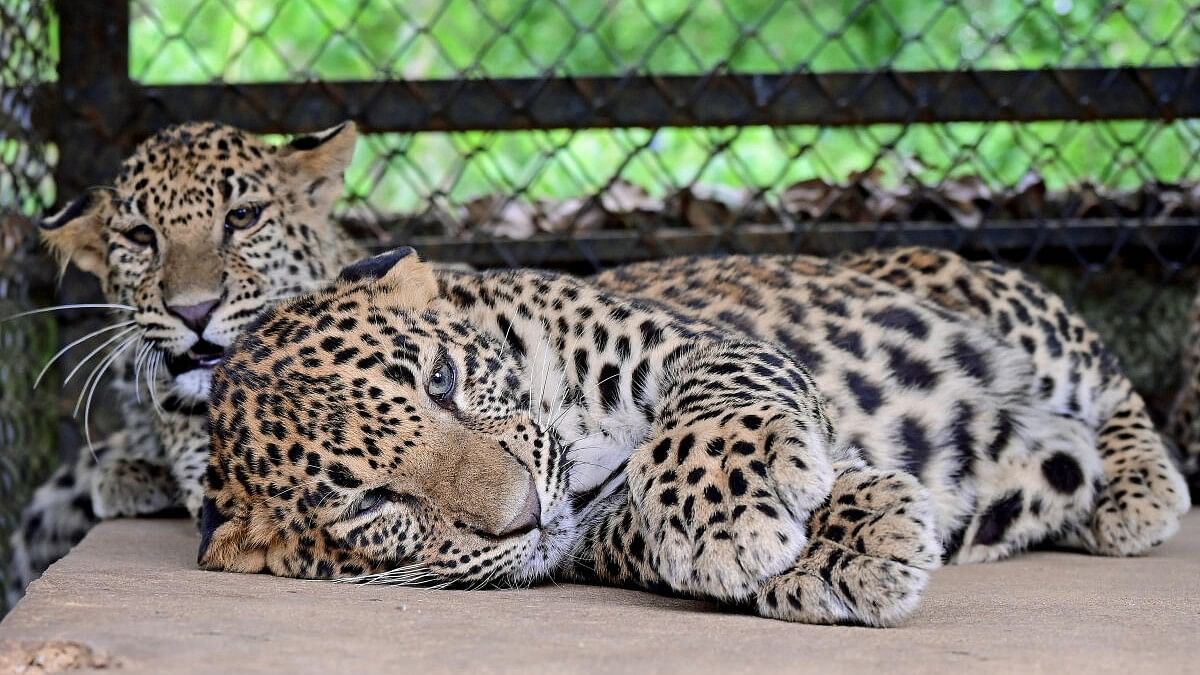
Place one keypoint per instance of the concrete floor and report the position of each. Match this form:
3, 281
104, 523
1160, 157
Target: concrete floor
129, 599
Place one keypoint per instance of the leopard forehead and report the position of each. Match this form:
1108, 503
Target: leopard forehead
189, 170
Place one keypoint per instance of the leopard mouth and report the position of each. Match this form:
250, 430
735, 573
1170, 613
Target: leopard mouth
203, 355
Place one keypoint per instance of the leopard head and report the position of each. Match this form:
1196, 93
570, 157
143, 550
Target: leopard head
204, 226
373, 428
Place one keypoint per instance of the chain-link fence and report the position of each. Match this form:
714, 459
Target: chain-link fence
1057, 134
27, 421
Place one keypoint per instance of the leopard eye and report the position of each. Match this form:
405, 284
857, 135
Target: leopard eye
243, 217
440, 386
142, 235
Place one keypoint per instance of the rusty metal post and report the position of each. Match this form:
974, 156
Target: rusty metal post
95, 102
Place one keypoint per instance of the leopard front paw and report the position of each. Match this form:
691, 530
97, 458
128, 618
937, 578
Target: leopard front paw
127, 487
869, 557
725, 505
1138, 508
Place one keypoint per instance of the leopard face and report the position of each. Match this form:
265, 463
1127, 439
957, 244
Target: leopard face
204, 226
371, 428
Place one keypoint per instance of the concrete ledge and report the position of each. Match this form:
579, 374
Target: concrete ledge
129, 599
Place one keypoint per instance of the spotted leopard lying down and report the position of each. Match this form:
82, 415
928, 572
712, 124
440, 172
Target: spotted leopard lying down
802, 437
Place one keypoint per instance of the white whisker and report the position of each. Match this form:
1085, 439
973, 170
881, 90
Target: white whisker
68, 348
99, 368
118, 336
545, 380
152, 382
76, 306
87, 410
138, 362
529, 369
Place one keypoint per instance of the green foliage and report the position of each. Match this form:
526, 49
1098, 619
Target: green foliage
187, 41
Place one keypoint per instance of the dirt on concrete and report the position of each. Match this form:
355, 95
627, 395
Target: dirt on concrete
131, 600
53, 656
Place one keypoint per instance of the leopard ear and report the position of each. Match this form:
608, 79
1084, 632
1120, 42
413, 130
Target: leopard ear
74, 233
313, 164
224, 543
398, 272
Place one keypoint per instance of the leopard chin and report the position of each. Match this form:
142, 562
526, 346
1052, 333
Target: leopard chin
191, 371
193, 385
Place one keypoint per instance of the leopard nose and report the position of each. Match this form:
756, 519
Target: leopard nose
529, 517
195, 316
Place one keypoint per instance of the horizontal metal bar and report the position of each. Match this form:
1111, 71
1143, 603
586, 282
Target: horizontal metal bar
827, 99
1180, 237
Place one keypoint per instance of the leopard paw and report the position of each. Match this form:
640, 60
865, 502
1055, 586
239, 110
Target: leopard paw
1138, 509
127, 487
868, 561
832, 585
884, 514
725, 505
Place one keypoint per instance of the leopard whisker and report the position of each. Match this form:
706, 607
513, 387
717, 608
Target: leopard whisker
61, 308
139, 362
152, 383
115, 338
383, 577
99, 369
545, 380
558, 418
583, 398
64, 350
374, 575
483, 581
529, 371
443, 586
106, 364
414, 576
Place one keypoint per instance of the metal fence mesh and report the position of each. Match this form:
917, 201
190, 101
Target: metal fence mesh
383, 40
27, 421
1057, 134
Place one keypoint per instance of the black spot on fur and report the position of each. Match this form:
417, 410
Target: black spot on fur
970, 360
1063, 473
869, 396
341, 476
610, 386
900, 318
910, 370
998, 517
917, 447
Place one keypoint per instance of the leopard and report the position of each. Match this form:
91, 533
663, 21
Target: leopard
203, 227
800, 438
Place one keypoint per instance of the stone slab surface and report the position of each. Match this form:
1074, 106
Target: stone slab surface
129, 600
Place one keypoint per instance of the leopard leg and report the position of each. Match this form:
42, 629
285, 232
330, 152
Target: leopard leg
56, 518
720, 493
1142, 494
1033, 488
132, 486
187, 450
868, 560
1139, 494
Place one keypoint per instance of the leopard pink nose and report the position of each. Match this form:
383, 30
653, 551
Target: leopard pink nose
529, 517
195, 316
